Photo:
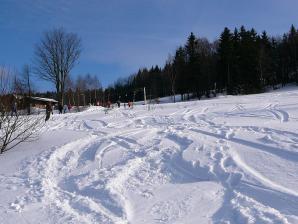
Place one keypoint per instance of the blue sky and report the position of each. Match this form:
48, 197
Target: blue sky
119, 37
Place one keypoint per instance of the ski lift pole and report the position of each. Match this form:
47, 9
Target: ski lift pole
145, 96
134, 96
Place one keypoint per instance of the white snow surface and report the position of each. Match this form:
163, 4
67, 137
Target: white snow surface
233, 159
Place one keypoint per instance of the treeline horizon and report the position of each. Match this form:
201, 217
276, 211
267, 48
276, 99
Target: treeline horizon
238, 62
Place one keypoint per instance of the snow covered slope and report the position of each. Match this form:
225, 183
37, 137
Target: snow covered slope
226, 160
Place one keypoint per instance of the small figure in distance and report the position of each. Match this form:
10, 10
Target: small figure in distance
48, 111
65, 108
60, 108
14, 109
130, 104
69, 107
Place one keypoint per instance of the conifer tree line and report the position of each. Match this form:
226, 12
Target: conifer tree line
239, 62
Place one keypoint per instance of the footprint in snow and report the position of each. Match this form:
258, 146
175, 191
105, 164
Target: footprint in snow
230, 135
147, 194
196, 164
234, 179
220, 141
217, 156
200, 148
228, 162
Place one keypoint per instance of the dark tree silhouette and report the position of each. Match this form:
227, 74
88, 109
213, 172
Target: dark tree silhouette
55, 57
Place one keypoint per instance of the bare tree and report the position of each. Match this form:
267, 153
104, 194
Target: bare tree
69, 83
17, 85
14, 129
95, 83
5, 83
55, 57
26, 79
81, 83
96, 86
5, 80
92, 85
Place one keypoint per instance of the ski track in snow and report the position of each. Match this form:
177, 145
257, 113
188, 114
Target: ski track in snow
216, 161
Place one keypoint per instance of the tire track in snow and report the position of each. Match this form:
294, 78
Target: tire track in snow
224, 158
283, 154
65, 161
59, 167
279, 114
238, 107
57, 164
230, 180
260, 177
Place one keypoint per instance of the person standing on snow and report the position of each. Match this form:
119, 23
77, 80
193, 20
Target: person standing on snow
60, 108
14, 109
48, 111
53, 108
65, 108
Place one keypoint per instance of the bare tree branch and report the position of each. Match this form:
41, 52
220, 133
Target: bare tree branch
14, 129
55, 57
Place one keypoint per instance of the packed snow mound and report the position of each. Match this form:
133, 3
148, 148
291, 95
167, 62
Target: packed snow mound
228, 160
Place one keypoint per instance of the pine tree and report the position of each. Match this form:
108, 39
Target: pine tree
179, 66
248, 63
293, 43
235, 64
225, 52
265, 66
192, 65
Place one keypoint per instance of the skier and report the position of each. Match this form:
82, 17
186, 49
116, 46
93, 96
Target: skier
48, 111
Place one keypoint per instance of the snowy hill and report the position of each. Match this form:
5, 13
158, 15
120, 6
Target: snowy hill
227, 160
